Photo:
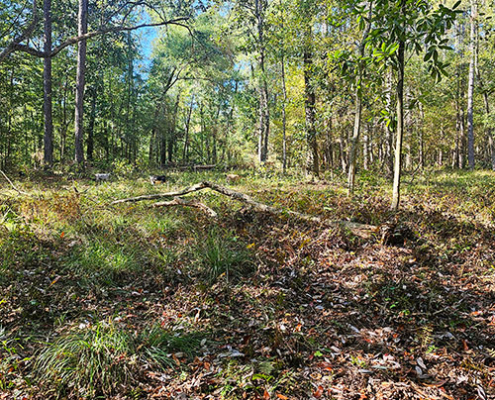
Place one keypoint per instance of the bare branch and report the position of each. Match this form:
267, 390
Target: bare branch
362, 230
180, 202
11, 184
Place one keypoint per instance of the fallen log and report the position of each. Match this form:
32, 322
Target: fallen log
361, 230
204, 167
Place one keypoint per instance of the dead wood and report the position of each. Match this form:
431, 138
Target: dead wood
11, 184
181, 202
362, 230
204, 167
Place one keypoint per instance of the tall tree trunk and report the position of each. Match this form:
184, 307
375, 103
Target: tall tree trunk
91, 126
47, 86
284, 92
389, 136
65, 124
163, 148
80, 81
284, 118
172, 131
489, 131
472, 40
185, 152
358, 105
310, 106
343, 156
400, 119
264, 113
421, 143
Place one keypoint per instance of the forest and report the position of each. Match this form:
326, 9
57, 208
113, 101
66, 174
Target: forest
247, 199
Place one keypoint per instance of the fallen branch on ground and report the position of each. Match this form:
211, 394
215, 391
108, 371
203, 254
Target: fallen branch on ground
11, 184
180, 202
362, 230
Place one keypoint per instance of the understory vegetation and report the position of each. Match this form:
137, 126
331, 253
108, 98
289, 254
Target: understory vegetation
128, 301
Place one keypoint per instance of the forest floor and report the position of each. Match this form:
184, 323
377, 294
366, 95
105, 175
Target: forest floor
131, 302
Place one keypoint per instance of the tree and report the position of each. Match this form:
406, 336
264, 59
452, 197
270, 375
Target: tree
360, 66
47, 85
82, 28
470, 94
409, 24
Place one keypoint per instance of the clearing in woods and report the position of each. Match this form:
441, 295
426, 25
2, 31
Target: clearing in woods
128, 301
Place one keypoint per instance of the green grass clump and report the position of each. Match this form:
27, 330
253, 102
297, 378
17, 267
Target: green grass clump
221, 253
94, 360
102, 359
100, 261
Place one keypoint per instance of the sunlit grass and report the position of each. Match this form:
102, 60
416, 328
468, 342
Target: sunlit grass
106, 357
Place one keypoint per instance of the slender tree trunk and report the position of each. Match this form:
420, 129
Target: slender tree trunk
459, 125
400, 120
472, 40
91, 126
185, 153
489, 131
154, 132
47, 86
284, 91
163, 148
264, 114
310, 106
80, 81
343, 156
172, 133
284, 118
389, 137
358, 106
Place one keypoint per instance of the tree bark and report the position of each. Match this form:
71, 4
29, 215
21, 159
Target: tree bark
471, 86
91, 125
185, 152
47, 86
310, 105
80, 82
400, 119
284, 118
358, 105
264, 113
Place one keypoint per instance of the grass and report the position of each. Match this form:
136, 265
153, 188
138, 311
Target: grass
172, 300
103, 262
94, 360
97, 360
217, 253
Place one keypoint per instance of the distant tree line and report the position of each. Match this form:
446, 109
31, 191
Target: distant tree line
311, 84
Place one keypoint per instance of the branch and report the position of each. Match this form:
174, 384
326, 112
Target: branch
11, 184
195, 188
76, 39
362, 230
113, 29
11, 47
180, 202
